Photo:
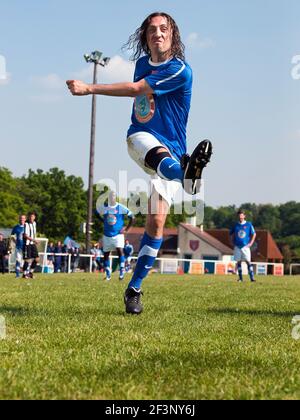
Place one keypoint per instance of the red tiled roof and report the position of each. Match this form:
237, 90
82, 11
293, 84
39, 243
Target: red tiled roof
169, 245
267, 247
141, 230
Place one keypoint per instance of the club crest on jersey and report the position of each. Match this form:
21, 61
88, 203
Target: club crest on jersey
111, 219
144, 108
242, 234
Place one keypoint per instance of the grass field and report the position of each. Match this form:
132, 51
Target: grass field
199, 338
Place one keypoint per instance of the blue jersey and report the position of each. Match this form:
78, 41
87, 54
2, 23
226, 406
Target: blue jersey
164, 114
114, 219
128, 251
19, 231
243, 234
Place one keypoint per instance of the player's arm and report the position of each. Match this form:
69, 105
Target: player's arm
98, 216
252, 240
130, 224
126, 89
232, 237
13, 237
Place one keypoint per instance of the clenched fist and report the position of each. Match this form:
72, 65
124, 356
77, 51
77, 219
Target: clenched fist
78, 88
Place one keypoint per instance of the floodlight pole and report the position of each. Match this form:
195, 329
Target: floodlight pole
96, 59
91, 165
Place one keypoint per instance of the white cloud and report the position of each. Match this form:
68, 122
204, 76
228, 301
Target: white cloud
5, 80
49, 82
196, 42
46, 99
52, 88
118, 70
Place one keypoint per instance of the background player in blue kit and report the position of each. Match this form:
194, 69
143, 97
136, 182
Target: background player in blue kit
128, 253
243, 237
156, 139
113, 216
18, 234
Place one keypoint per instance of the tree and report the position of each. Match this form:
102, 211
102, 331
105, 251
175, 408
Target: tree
225, 217
268, 218
11, 203
59, 200
290, 216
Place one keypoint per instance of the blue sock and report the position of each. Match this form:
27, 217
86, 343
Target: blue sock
122, 264
147, 256
170, 169
240, 271
18, 269
107, 268
251, 271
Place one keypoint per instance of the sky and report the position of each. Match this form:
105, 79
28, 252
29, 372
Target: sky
245, 56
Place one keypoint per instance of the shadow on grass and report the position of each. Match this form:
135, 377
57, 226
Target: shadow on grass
254, 312
18, 311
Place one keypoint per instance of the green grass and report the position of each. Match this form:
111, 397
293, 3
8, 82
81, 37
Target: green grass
198, 338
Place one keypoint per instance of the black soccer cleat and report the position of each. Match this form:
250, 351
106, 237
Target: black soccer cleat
194, 165
132, 300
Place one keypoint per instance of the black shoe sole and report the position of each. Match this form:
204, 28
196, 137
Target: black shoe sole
198, 161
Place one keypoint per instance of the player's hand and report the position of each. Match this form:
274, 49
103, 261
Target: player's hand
78, 88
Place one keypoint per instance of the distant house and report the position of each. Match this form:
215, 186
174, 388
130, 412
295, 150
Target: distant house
191, 242
169, 248
194, 243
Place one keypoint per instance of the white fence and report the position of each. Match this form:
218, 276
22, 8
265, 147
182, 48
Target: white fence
185, 266
174, 265
45, 257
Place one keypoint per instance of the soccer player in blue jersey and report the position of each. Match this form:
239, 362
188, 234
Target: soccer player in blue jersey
113, 216
18, 234
156, 139
128, 253
243, 236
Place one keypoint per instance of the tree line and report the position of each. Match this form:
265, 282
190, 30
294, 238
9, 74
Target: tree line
60, 202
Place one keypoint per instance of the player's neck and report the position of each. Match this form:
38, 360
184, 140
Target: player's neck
159, 58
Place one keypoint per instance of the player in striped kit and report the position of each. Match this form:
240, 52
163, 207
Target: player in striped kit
30, 251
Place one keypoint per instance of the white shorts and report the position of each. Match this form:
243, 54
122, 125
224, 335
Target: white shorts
19, 256
110, 244
243, 254
139, 145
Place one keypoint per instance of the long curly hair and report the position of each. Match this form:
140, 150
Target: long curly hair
137, 42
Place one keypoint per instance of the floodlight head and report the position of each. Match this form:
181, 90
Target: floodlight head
96, 56
87, 58
106, 60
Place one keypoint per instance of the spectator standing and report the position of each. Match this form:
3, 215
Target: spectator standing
18, 235
58, 258
3, 254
